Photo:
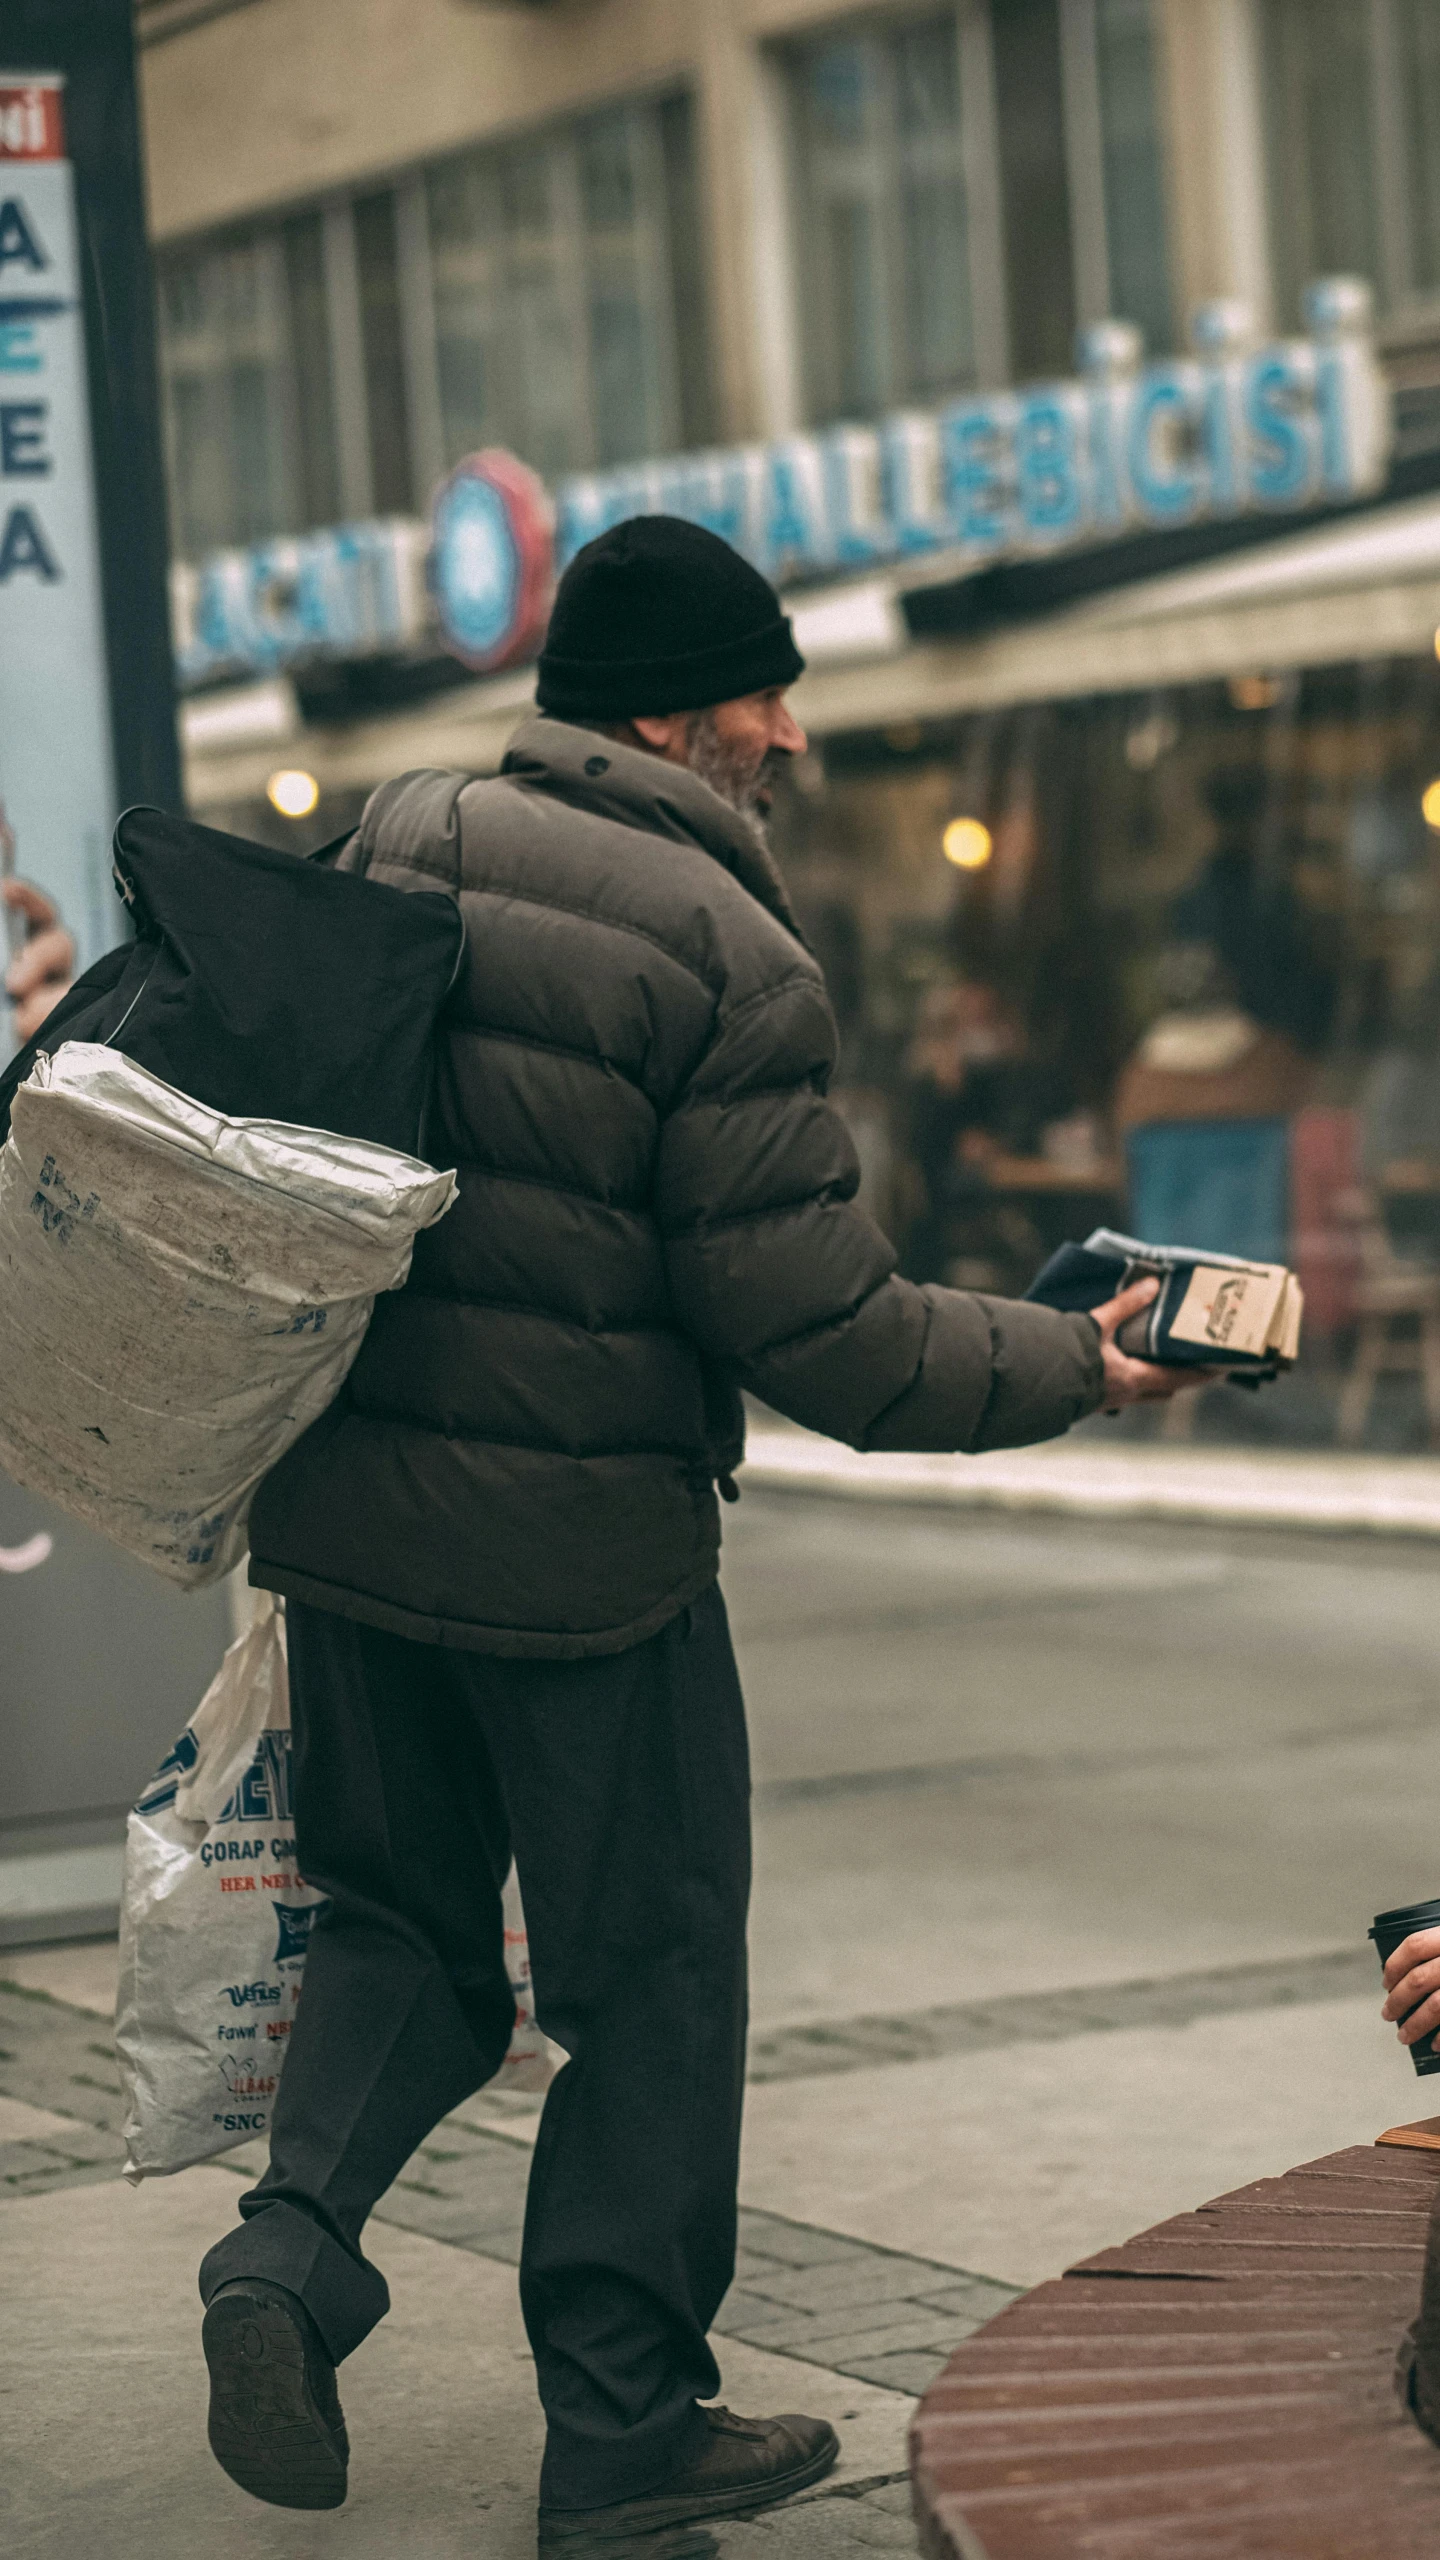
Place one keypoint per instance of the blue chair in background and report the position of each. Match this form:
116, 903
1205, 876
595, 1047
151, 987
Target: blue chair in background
1221, 1185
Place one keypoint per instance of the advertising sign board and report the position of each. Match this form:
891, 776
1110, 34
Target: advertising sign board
481, 572
56, 755
347, 591
490, 567
1230, 430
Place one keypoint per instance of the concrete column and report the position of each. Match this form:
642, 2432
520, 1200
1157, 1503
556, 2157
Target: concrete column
1214, 107
745, 222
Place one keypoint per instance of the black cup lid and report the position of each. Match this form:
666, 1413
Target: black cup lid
1411, 1915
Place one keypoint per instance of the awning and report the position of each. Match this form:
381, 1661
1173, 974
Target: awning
1365, 588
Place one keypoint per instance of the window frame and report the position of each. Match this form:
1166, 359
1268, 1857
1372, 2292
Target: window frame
574, 260
1082, 111
1405, 311
680, 376
817, 371
1082, 74
218, 358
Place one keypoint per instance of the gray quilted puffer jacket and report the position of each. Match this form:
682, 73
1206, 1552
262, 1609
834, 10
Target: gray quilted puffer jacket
657, 1208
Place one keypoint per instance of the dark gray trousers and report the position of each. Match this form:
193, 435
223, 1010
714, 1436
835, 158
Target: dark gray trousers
621, 1784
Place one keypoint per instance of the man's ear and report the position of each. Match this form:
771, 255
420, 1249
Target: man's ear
666, 734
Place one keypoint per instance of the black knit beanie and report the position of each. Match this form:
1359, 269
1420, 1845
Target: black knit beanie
658, 615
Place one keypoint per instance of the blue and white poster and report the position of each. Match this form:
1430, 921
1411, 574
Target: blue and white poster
56, 764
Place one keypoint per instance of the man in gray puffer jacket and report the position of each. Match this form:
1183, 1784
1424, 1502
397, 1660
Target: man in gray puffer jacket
500, 1548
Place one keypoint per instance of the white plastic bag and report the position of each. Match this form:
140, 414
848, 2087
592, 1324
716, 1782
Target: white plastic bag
215, 1919
181, 1295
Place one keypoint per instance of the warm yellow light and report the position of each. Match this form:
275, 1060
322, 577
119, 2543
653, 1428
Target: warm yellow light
293, 794
1437, 644
967, 843
1430, 807
1254, 693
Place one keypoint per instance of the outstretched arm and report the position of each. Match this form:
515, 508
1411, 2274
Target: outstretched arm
774, 1269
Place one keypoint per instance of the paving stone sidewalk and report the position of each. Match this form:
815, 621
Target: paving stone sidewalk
798, 2291
873, 2313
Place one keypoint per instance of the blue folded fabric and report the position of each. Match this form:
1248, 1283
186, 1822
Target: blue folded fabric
1081, 1277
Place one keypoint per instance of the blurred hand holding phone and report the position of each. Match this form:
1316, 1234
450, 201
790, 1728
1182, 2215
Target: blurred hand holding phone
40, 954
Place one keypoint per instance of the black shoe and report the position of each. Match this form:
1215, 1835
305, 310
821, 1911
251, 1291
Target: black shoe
748, 2463
275, 2419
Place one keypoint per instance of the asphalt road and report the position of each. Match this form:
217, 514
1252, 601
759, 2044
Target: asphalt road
1067, 1844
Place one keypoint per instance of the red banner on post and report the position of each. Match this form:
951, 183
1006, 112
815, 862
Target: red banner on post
32, 118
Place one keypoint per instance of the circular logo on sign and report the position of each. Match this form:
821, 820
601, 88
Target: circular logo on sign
492, 559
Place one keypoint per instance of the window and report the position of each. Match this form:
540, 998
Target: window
1353, 109
383, 350
1419, 35
1133, 175
1319, 62
228, 379
560, 326
319, 479
884, 230
1115, 165
969, 185
544, 294
1034, 178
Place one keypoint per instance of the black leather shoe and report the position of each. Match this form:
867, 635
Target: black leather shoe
275, 2418
747, 2463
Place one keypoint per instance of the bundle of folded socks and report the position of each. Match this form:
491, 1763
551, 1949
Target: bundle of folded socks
1212, 1311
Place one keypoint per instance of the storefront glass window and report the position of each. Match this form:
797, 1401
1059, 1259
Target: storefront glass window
884, 232
1170, 962
559, 329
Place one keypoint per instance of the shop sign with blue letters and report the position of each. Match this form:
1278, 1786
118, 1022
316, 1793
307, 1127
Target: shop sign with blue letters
1228, 430
56, 769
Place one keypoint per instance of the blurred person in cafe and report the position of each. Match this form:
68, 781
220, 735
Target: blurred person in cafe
979, 1099
1204, 1105
1400, 1124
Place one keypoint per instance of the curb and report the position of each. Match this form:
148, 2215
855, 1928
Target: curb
1384, 1497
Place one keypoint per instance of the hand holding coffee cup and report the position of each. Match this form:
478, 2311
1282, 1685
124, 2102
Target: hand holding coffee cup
1408, 1944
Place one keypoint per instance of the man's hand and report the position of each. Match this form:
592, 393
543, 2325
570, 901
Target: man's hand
1130, 1381
43, 967
1412, 1985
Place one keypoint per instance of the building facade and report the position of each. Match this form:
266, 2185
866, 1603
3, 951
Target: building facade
1116, 835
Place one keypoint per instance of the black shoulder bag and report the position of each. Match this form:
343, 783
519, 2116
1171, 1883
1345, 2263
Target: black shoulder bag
264, 986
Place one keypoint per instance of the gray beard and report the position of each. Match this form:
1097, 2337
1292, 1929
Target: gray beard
737, 782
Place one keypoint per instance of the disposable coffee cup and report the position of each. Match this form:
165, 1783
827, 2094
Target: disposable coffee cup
1390, 1930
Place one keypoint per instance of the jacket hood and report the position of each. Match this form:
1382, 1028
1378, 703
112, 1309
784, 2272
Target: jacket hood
589, 771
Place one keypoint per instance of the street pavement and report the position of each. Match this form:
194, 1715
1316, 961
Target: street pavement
1067, 1836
